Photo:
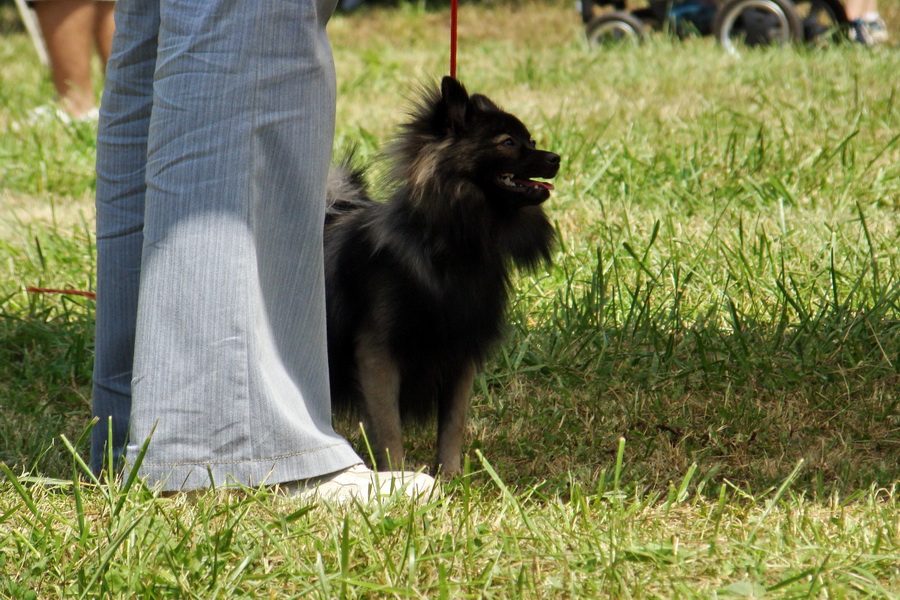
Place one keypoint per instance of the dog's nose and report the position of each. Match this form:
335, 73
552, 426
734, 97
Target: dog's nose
553, 159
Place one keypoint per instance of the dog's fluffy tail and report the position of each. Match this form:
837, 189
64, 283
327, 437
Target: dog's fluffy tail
346, 190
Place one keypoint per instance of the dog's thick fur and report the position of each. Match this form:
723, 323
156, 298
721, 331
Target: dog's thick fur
417, 286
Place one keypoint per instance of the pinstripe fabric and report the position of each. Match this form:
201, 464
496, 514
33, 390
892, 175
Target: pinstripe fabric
229, 369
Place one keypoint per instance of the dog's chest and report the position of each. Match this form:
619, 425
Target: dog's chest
455, 305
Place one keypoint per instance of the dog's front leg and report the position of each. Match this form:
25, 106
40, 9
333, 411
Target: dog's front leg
379, 380
452, 423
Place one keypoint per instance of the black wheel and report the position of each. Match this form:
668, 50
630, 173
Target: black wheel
823, 22
750, 23
614, 28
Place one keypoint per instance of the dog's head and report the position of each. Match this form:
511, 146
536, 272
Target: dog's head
457, 137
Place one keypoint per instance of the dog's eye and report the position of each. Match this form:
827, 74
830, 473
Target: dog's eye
508, 142
532, 143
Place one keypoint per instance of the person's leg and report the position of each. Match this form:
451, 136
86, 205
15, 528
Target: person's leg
104, 28
856, 9
121, 159
230, 367
67, 27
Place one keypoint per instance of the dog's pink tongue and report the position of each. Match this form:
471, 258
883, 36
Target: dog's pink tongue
535, 184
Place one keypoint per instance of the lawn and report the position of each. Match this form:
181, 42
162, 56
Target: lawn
700, 397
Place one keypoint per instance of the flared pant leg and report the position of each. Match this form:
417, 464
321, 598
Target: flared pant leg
230, 366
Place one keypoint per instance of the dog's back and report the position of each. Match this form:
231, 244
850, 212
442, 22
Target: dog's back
346, 190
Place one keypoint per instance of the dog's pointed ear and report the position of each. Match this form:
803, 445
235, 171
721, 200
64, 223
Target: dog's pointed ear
483, 103
455, 99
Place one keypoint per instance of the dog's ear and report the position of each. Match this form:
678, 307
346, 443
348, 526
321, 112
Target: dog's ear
483, 103
455, 99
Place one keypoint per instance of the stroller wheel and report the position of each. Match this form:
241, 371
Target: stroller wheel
614, 28
750, 23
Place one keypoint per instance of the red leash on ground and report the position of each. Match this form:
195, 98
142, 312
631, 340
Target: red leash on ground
454, 9
34, 290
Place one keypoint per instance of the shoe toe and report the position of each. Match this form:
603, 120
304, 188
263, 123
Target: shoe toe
361, 483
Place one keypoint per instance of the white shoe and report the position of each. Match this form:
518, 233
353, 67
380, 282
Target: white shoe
878, 31
47, 113
360, 482
869, 33
50, 113
91, 116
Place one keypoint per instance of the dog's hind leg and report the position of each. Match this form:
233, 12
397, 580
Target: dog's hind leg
379, 381
452, 423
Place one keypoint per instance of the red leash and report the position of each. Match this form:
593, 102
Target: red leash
34, 290
454, 8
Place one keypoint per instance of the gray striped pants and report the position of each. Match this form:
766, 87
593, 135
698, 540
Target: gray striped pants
215, 136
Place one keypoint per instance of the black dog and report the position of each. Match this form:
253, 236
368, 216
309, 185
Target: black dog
417, 286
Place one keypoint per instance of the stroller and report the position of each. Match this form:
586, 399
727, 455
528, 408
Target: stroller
734, 23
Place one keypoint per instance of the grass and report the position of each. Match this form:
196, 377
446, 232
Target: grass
724, 299
470, 543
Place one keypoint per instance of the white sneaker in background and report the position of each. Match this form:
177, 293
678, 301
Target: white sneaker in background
91, 116
859, 32
49, 113
869, 30
878, 30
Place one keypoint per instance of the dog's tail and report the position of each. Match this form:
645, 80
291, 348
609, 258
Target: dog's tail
346, 190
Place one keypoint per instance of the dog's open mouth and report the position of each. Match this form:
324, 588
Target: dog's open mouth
525, 186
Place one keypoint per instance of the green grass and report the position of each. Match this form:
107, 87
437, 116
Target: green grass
725, 298
473, 542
